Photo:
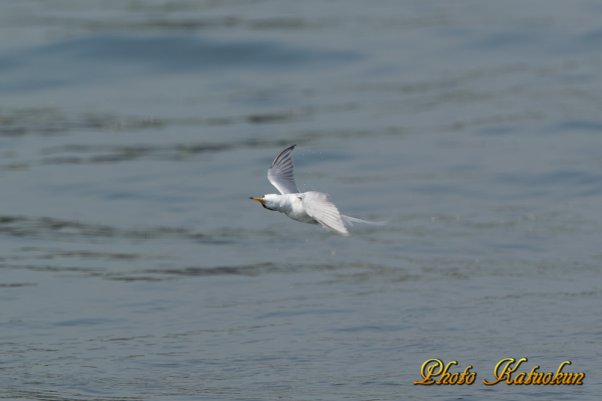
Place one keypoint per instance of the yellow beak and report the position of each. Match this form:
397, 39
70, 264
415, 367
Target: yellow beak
260, 200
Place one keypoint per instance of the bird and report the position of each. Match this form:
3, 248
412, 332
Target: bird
306, 207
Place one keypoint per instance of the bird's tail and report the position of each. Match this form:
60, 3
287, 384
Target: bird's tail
350, 220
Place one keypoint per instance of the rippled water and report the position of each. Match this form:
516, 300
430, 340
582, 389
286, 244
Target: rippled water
133, 265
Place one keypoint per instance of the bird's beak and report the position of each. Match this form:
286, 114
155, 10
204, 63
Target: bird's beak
260, 200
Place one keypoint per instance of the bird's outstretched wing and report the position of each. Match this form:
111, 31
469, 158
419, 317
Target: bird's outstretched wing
319, 206
281, 175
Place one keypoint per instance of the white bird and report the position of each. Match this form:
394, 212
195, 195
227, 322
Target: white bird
307, 207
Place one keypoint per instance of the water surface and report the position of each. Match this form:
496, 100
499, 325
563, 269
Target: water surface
133, 265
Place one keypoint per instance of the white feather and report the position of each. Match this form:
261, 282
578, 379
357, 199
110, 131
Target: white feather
319, 206
281, 174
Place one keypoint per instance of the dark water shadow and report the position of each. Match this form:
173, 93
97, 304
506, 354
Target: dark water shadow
93, 59
69, 230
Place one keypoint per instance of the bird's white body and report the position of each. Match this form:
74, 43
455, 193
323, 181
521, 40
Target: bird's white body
307, 207
291, 205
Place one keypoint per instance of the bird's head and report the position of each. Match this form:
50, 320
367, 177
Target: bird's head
267, 201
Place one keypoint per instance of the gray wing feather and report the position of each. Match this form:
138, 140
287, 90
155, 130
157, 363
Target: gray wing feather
281, 175
319, 206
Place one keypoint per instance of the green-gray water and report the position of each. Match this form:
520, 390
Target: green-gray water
134, 266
